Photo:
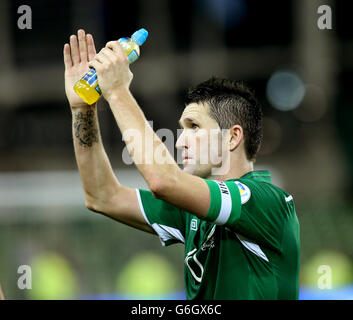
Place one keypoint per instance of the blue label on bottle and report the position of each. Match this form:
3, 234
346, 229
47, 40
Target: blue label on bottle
98, 89
91, 78
89, 74
132, 56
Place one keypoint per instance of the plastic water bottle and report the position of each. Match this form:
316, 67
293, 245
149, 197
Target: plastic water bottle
87, 87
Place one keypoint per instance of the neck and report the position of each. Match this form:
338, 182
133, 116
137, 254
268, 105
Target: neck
236, 170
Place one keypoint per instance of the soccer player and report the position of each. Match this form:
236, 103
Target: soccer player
240, 232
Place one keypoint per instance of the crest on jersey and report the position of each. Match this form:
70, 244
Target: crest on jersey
244, 191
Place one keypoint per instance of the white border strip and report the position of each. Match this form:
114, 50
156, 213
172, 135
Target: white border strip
253, 247
166, 233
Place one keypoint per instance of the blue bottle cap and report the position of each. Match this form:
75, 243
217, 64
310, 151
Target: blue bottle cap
140, 36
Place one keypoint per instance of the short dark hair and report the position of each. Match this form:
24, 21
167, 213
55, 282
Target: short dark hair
231, 102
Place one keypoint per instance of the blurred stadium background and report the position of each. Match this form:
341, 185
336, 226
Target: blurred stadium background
301, 74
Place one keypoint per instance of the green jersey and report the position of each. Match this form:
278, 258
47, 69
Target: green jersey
247, 246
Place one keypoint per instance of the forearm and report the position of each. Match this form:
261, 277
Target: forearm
149, 153
98, 179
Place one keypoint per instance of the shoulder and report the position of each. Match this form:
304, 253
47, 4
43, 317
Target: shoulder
261, 193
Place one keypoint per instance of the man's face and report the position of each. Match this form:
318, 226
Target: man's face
200, 141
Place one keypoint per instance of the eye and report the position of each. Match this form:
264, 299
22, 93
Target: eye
194, 126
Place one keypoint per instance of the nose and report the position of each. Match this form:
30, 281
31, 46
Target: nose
181, 142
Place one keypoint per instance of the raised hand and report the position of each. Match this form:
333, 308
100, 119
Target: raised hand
77, 54
112, 67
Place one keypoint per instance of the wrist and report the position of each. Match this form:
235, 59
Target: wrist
118, 94
83, 107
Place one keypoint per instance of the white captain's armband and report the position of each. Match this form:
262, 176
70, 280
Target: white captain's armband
225, 205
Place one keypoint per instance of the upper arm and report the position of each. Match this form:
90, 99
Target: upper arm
206, 199
140, 209
123, 206
187, 192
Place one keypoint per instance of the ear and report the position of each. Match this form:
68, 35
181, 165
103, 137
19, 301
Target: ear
236, 136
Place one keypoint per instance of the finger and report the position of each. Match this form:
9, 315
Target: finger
102, 57
109, 54
82, 44
90, 47
117, 48
67, 56
75, 56
95, 64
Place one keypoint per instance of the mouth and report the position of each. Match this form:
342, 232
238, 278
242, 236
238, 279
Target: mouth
186, 159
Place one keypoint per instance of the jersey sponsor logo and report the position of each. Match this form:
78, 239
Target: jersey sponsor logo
244, 191
193, 224
196, 258
194, 265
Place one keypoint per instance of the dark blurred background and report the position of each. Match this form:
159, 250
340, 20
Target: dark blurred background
301, 74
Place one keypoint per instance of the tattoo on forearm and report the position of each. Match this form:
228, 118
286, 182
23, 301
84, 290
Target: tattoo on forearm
85, 129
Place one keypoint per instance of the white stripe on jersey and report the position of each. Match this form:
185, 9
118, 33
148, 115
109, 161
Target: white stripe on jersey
166, 233
251, 246
226, 204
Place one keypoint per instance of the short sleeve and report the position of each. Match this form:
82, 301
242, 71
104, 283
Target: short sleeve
167, 220
225, 204
255, 210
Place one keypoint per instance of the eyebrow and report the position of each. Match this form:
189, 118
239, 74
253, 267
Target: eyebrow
186, 119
